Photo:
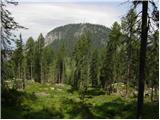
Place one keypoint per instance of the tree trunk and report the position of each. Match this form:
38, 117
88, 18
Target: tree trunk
144, 34
152, 94
19, 72
126, 94
42, 78
24, 77
129, 50
59, 77
31, 70
156, 93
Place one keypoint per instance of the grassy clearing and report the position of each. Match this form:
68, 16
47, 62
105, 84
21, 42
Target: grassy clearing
59, 101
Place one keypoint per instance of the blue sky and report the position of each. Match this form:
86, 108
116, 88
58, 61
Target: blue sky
41, 16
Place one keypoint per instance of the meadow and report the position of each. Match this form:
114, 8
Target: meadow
61, 101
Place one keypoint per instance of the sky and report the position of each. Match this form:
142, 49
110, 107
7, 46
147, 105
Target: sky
41, 16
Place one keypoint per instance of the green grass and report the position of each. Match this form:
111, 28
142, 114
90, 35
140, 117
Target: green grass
60, 101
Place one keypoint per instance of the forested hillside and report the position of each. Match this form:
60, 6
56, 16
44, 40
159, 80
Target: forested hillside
69, 35
86, 71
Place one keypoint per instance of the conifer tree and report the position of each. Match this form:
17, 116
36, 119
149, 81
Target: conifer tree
30, 57
94, 69
8, 25
81, 57
152, 70
47, 61
38, 66
109, 67
115, 41
18, 57
60, 65
129, 30
106, 74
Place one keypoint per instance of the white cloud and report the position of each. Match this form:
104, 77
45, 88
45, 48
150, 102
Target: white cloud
41, 18
69, 0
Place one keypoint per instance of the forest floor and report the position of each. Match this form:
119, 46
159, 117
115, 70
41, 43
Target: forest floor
60, 101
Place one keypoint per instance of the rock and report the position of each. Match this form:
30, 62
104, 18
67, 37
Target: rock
69, 34
135, 93
41, 94
52, 88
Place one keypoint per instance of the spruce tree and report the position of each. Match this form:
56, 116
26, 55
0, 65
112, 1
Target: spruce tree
18, 57
94, 69
152, 70
38, 66
115, 41
60, 65
129, 29
81, 58
30, 57
109, 67
47, 60
106, 74
8, 25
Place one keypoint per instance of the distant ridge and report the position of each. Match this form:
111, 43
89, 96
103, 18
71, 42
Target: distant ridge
69, 33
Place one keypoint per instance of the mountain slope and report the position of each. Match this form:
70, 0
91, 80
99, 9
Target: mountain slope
69, 34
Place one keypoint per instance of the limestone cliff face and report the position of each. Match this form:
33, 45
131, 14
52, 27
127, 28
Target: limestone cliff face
69, 34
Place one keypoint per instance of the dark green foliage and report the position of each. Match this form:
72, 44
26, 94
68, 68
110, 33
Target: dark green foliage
9, 68
131, 44
18, 57
106, 73
30, 58
8, 25
94, 69
83, 70
29, 104
152, 73
114, 47
81, 58
108, 70
47, 60
60, 65
38, 66
94, 92
100, 71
